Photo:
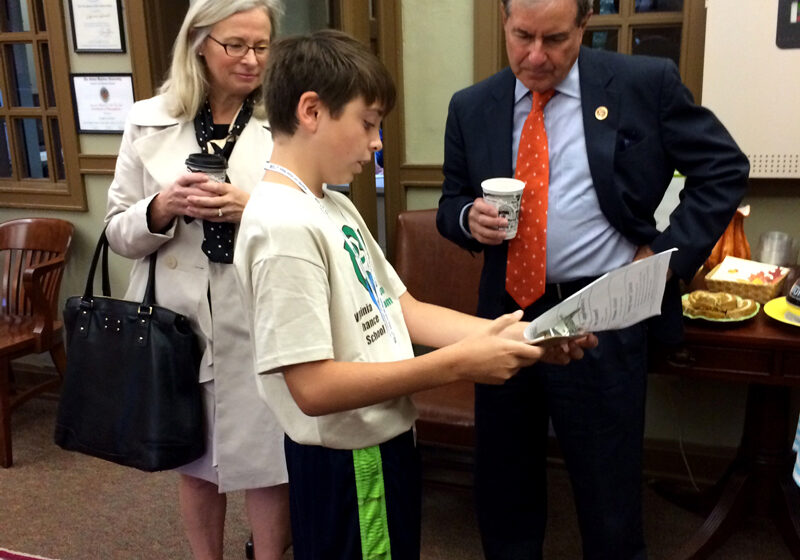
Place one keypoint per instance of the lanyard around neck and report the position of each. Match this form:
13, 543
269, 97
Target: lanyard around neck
365, 268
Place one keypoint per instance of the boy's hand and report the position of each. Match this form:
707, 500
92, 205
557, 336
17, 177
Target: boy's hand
490, 356
559, 354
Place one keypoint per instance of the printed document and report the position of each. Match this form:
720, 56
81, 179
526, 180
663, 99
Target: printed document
616, 300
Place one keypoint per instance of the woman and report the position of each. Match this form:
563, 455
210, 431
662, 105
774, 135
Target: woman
211, 102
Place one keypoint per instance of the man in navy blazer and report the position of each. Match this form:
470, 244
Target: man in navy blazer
618, 127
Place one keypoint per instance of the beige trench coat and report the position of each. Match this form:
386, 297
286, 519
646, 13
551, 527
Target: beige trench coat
247, 443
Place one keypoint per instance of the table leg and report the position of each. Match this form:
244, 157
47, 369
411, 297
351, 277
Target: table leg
719, 524
753, 482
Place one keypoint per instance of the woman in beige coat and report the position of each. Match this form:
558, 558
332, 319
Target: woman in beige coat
210, 103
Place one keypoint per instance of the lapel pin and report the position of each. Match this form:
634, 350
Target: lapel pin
601, 113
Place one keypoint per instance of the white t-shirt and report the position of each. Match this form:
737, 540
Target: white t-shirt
308, 300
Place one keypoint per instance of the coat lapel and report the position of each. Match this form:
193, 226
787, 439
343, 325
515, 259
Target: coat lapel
254, 144
158, 150
164, 167
600, 105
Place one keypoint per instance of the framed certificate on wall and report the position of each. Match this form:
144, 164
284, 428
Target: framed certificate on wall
102, 102
97, 26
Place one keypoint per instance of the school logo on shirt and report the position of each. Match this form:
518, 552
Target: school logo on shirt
355, 247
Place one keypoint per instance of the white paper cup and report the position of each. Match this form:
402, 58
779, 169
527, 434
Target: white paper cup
775, 247
505, 194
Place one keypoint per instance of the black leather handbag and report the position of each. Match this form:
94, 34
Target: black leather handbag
131, 393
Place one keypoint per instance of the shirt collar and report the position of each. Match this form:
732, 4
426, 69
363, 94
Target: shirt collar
571, 85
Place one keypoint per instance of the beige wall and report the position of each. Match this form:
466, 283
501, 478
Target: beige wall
437, 61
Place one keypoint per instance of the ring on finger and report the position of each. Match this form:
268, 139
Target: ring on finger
219, 212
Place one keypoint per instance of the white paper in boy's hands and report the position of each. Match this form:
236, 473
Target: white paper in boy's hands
616, 300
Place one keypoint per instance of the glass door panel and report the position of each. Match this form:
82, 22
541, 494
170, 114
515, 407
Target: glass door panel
641, 6
602, 7
305, 16
5, 152
15, 16
22, 73
30, 142
658, 41
603, 39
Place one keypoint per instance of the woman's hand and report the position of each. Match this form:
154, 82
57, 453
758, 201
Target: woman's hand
217, 202
173, 201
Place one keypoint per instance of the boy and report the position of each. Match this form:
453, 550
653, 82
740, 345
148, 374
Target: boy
332, 323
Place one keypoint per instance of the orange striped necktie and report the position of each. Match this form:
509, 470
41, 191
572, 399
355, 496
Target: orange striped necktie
527, 258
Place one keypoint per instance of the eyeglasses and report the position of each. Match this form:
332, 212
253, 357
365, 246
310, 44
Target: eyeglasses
239, 50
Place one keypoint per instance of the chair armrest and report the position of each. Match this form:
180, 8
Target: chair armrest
42, 310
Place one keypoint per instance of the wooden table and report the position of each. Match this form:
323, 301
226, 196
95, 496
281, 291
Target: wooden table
764, 354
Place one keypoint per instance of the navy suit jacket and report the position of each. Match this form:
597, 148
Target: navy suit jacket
653, 128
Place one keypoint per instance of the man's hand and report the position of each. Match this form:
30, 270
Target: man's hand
484, 223
564, 352
645, 251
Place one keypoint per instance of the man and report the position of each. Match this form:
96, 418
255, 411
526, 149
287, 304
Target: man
616, 129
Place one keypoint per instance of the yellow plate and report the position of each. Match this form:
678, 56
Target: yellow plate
725, 319
778, 309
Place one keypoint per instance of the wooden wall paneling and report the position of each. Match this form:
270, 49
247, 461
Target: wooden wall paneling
352, 16
694, 30
164, 20
139, 49
490, 52
390, 42
152, 28
95, 164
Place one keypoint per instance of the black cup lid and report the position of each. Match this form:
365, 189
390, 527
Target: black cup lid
203, 162
794, 294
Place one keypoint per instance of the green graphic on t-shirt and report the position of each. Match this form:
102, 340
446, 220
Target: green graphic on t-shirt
354, 245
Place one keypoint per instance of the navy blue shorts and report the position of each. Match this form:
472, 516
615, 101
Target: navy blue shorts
355, 505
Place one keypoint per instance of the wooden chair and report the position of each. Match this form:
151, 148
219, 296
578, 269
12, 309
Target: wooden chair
33, 253
437, 271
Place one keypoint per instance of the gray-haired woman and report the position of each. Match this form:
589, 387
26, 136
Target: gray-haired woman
211, 102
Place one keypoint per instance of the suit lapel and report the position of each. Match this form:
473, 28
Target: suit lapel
600, 105
498, 117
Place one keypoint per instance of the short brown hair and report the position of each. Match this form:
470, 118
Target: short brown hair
330, 63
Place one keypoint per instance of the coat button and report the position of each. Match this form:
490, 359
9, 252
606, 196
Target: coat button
171, 261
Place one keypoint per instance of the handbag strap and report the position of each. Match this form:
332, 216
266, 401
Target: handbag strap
102, 249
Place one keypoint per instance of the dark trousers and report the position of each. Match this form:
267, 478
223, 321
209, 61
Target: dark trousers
597, 409
323, 500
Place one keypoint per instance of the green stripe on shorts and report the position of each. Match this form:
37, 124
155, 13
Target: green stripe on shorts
372, 521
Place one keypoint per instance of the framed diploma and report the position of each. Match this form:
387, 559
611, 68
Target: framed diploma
97, 26
102, 101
